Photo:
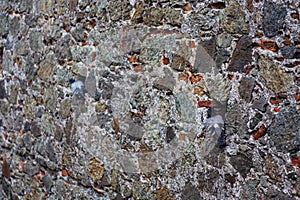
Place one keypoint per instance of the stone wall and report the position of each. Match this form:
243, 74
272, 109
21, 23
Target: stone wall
153, 99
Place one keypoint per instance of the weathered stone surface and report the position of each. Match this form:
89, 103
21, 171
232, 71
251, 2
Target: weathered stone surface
272, 168
3, 25
200, 21
36, 41
242, 163
91, 84
29, 109
65, 108
62, 49
224, 40
45, 6
185, 107
242, 55
273, 18
190, 192
35, 129
207, 180
255, 120
260, 104
173, 17
14, 26
119, 10
284, 130
288, 52
246, 87
78, 33
153, 17
233, 19
48, 182
50, 99
205, 56
273, 76
249, 190
2, 89
166, 82
46, 68
236, 120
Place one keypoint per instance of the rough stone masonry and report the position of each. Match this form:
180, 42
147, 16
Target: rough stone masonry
150, 99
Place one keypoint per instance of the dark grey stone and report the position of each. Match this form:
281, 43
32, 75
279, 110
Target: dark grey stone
246, 87
242, 55
78, 33
190, 192
30, 169
170, 134
62, 48
91, 84
255, 120
3, 25
284, 130
222, 56
106, 88
288, 52
35, 129
242, 163
205, 56
48, 182
273, 18
166, 82
50, 150
260, 104
2, 89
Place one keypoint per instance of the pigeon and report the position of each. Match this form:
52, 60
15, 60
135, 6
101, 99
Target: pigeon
77, 87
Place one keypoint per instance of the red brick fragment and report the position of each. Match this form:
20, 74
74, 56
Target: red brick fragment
132, 59
196, 78
260, 132
296, 162
276, 109
250, 6
165, 61
207, 104
269, 45
297, 97
64, 173
295, 15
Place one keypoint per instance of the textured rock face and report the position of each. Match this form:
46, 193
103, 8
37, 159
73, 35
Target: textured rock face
273, 18
233, 19
153, 99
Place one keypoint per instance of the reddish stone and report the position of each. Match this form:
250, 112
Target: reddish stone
137, 68
275, 100
217, 5
297, 97
207, 104
260, 132
269, 45
192, 45
250, 6
83, 43
187, 8
5, 169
